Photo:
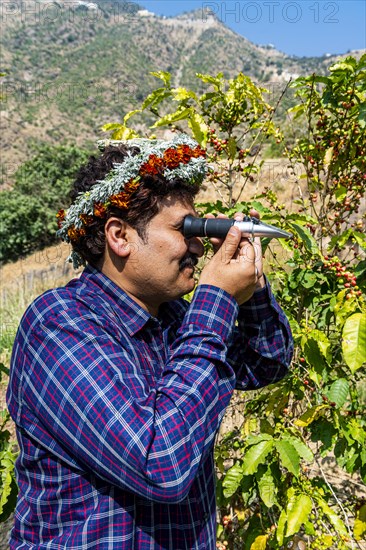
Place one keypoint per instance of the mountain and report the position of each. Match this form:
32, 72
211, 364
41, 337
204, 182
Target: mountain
72, 66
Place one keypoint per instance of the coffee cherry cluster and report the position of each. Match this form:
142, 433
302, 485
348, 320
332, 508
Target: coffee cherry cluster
226, 521
345, 278
218, 144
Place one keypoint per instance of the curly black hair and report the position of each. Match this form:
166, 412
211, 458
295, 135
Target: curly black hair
144, 203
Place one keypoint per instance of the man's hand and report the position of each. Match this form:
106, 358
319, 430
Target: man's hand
237, 264
217, 243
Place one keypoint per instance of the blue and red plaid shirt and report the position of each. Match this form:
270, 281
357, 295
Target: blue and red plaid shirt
117, 412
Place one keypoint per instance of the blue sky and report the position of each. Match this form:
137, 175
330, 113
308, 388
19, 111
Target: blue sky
301, 27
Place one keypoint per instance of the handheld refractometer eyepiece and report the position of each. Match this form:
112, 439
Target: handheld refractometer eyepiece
219, 227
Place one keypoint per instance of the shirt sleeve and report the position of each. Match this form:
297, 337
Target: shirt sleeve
262, 345
82, 396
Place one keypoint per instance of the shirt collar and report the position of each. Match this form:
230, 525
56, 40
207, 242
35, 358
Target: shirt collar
101, 288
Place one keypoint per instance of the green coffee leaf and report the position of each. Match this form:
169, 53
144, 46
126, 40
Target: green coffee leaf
165, 76
359, 529
280, 533
338, 392
298, 514
232, 479
199, 128
289, 456
333, 517
256, 455
181, 94
340, 193
232, 148
8, 485
180, 114
306, 237
260, 543
111, 126
316, 344
360, 239
354, 341
119, 131
6, 480
267, 487
340, 240
254, 439
310, 415
130, 114
156, 97
208, 79
344, 308
301, 448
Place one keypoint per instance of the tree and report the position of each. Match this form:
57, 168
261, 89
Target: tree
42, 186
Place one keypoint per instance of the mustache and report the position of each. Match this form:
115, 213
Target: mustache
188, 261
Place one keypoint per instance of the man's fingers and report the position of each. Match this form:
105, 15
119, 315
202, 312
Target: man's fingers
247, 252
230, 244
254, 213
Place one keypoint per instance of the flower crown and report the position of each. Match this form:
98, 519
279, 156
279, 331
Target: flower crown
180, 158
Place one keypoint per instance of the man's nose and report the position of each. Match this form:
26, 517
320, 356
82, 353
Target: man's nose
195, 246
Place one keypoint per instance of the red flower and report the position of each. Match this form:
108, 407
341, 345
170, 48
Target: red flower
60, 217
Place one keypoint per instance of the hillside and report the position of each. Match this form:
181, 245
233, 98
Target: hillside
73, 66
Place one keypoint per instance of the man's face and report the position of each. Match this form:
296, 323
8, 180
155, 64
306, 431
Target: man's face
161, 267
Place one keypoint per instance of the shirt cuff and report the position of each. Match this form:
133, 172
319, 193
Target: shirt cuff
262, 305
213, 308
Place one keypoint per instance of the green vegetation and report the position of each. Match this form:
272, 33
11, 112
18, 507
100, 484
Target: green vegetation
42, 186
68, 70
273, 491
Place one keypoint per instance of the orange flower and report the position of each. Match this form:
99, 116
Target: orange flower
198, 152
131, 186
153, 166
99, 210
120, 200
86, 219
186, 153
172, 157
75, 234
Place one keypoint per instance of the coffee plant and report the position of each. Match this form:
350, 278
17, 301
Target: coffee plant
275, 489
8, 487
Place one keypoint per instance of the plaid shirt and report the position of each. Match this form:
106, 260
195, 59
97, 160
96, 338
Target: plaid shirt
117, 411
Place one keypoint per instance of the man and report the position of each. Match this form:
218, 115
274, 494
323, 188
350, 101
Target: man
118, 385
